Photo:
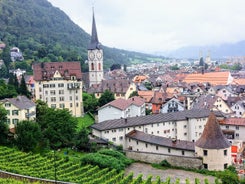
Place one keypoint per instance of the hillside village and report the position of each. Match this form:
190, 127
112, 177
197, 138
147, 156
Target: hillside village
193, 116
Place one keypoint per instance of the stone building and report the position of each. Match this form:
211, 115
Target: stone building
213, 147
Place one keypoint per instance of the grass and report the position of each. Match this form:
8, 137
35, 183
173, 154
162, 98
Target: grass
85, 121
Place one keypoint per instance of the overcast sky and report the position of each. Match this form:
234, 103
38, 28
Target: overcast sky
159, 25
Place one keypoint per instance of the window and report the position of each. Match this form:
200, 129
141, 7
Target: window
52, 85
225, 152
237, 134
8, 112
62, 98
146, 145
185, 134
77, 104
114, 139
237, 127
121, 138
169, 150
70, 97
52, 92
225, 166
205, 152
53, 99
129, 140
185, 126
62, 106
7, 105
15, 121
137, 142
227, 126
46, 92
76, 97
53, 106
156, 147
120, 129
92, 66
70, 104
205, 166
61, 92
183, 152
15, 112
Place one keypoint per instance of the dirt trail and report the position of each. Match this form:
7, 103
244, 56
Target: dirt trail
147, 169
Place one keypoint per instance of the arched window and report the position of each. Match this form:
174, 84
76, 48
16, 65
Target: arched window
99, 66
92, 66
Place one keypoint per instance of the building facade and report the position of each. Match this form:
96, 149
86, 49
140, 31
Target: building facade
19, 109
121, 108
59, 84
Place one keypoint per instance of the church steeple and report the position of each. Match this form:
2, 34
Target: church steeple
94, 42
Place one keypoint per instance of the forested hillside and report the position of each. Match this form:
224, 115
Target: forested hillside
45, 33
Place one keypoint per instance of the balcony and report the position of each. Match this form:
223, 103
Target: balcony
73, 86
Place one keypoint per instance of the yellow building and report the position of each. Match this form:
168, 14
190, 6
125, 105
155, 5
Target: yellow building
19, 109
59, 84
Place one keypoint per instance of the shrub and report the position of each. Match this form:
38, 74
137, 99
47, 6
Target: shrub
107, 158
165, 163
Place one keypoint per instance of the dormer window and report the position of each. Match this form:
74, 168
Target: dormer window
73, 77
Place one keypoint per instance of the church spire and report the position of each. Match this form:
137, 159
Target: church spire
94, 42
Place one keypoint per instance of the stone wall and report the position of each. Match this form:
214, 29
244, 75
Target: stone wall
179, 161
4, 174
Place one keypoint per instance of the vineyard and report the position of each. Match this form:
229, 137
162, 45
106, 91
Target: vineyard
61, 169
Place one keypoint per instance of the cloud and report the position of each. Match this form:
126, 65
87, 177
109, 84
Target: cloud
159, 25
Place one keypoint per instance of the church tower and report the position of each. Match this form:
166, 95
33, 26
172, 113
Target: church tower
95, 57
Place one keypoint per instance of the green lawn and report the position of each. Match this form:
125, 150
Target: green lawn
85, 121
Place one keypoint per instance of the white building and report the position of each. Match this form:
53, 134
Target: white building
142, 142
121, 108
59, 85
213, 147
238, 108
185, 125
172, 105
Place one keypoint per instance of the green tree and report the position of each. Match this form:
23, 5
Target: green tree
58, 126
23, 88
3, 71
3, 126
106, 97
90, 103
134, 93
82, 140
28, 135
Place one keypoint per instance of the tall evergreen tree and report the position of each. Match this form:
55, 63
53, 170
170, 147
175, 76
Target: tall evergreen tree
3, 126
23, 88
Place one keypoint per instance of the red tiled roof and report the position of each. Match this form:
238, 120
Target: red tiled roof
46, 71
123, 104
234, 121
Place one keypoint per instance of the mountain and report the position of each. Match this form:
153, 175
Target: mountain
45, 33
216, 52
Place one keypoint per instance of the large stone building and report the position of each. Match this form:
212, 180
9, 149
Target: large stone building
213, 147
59, 84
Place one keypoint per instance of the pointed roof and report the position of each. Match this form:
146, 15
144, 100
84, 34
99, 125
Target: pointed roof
94, 42
212, 136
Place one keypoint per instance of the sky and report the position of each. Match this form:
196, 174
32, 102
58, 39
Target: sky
155, 26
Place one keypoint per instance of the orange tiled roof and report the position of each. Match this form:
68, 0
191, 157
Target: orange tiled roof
213, 78
234, 121
139, 78
239, 81
147, 95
